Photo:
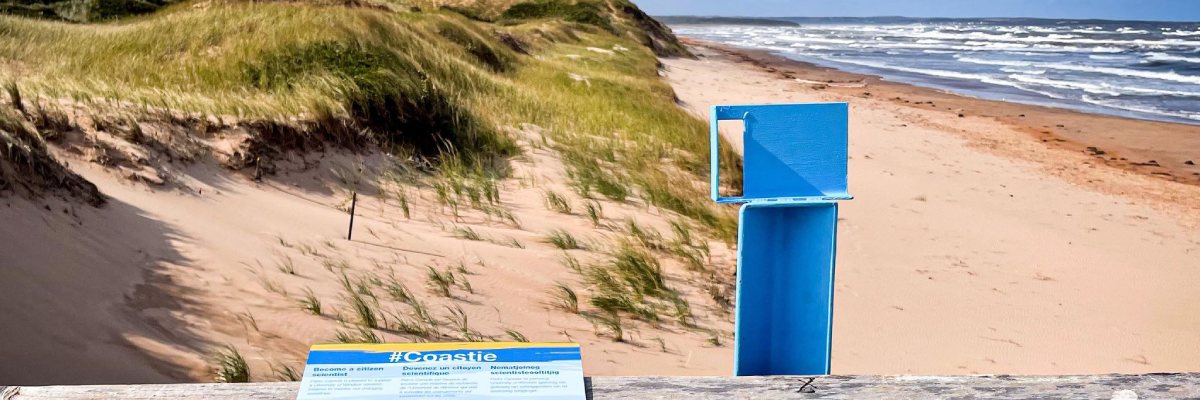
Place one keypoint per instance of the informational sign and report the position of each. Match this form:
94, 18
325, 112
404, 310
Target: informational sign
457, 371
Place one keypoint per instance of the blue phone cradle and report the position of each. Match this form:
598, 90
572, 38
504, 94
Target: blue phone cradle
794, 172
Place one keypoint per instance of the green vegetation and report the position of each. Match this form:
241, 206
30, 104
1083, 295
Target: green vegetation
231, 366
584, 12
646, 236
572, 264
435, 87
286, 265
687, 248
557, 203
714, 338
565, 298
446, 92
463, 283
359, 334
402, 199
440, 282
418, 323
610, 321
492, 56
26, 166
284, 373
595, 213
81, 10
467, 233
361, 302
397, 290
353, 76
632, 282
563, 240
458, 320
515, 335
310, 302
693, 20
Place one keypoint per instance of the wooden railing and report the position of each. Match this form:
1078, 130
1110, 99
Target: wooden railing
1149, 386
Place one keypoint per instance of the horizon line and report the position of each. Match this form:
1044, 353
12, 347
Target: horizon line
928, 18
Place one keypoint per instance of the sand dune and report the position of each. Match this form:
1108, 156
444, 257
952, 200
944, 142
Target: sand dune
149, 288
974, 247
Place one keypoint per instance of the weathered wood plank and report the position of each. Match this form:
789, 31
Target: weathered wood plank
1151, 386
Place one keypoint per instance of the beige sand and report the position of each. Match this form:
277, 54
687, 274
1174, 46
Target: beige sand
974, 247
149, 287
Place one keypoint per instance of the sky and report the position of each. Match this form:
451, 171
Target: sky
1152, 10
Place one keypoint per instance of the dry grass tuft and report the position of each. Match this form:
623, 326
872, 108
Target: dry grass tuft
231, 367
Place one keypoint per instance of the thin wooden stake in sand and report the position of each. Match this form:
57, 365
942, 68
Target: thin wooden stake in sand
353, 203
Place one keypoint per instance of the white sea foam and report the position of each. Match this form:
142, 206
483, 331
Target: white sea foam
1095, 31
1007, 63
1117, 68
811, 39
1053, 38
1120, 105
930, 72
1181, 33
1134, 73
1064, 84
1157, 75
1171, 57
1023, 70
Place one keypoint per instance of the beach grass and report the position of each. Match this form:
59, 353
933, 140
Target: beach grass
437, 91
609, 323
464, 283
557, 203
358, 334
467, 233
286, 265
297, 73
409, 326
439, 281
457, 318
572, 263
563, 240
231, 367
595, 213
565, 298
310, 302
361, 301
646, 236
284, 373
515, 335
397, 290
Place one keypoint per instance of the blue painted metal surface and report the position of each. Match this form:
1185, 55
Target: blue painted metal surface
792, 152
794, 166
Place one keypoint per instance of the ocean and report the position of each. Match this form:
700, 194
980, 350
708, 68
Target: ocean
1147, 70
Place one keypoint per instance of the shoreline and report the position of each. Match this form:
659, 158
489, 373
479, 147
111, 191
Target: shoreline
974, 246
1157, 149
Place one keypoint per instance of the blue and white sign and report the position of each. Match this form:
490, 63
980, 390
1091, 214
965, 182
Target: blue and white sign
457, 371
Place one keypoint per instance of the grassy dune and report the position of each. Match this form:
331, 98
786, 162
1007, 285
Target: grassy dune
437, 80
487, 141
27, 167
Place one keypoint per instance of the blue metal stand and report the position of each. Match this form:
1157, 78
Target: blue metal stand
794, 166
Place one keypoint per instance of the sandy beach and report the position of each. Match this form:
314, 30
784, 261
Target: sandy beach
985, 237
